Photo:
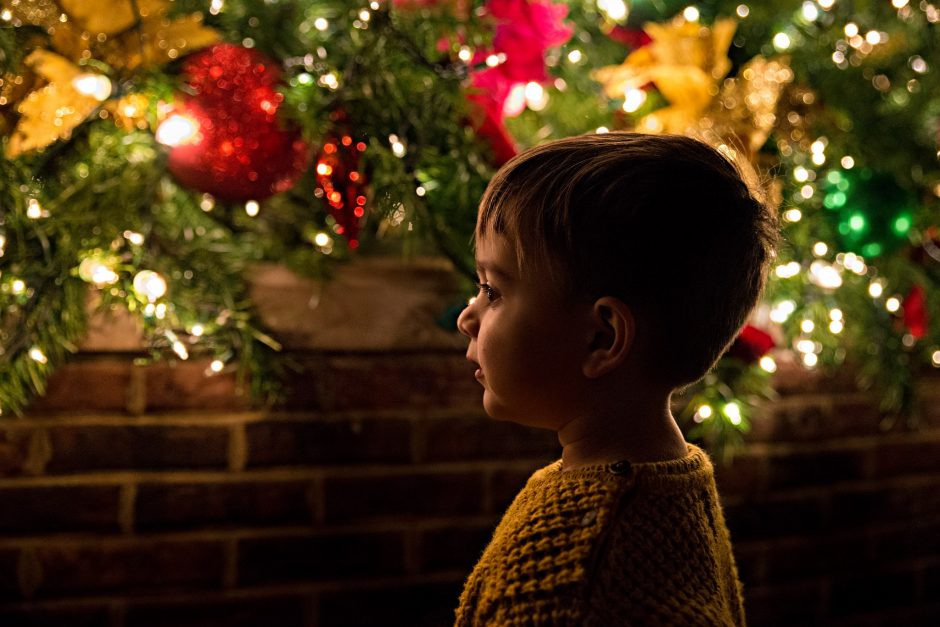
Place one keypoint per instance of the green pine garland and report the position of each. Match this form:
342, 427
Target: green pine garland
105, 194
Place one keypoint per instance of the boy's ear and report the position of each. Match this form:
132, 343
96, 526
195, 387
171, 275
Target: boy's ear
613, 333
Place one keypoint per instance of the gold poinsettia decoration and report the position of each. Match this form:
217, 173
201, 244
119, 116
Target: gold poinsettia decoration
122, 35
688, 63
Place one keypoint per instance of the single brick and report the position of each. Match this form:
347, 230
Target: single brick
184, 385
415, 605
194, 505
9, 586
426, 494
871, 591
918, 456
451, 439
504, 485
913, 539
784, 605
744, 474
320, 556
139, 447
274, 610
32, 510
774, 516
383, 381
453, 548
334, 441
815, 468
77, 615
900, 502
87, 384
129, 566
14, 451
815, 556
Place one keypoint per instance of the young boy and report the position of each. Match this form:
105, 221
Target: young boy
614, 269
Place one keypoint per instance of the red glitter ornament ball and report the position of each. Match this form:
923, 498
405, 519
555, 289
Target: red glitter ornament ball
227, 140
341, 185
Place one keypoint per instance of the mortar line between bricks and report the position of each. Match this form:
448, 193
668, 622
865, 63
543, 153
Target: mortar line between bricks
220, 535
861, 533
223, 418
818, 491
260, 474
254, 592
843, 443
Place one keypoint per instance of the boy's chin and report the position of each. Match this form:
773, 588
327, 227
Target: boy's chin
498, 411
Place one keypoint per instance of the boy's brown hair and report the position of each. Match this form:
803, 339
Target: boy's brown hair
665, 223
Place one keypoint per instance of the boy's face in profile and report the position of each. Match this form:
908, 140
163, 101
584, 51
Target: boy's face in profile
527, 338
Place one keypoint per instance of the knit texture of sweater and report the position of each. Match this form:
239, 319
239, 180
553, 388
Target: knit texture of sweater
621, 544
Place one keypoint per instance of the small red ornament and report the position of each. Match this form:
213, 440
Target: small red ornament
341, 185
751, 344
237, 150
915, 316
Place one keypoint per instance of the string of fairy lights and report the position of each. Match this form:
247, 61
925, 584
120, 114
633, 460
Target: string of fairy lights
822, 177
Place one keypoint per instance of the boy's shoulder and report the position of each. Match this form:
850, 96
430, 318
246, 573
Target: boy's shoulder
567, 532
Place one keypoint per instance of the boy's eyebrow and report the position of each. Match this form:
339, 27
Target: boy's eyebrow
492, 269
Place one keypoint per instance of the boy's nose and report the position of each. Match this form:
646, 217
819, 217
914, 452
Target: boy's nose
466, 322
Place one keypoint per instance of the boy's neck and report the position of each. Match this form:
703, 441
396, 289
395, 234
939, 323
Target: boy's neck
647, 433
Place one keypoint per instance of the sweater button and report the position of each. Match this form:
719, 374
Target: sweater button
619, 468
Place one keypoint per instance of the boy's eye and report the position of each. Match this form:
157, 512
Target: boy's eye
487, 289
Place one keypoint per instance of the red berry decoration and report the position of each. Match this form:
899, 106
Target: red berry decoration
226, 138
341, 185
751, 344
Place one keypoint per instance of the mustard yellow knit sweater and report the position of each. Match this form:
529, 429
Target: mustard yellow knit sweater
622, 544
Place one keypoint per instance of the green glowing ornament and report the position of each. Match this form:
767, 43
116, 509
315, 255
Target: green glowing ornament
872, 213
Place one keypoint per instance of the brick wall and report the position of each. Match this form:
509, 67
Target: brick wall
136, 495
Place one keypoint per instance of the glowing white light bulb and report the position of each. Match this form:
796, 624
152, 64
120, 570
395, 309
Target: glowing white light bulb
516, 101
216, 6
633, 99
197, 330
492, 60
781, 41
818, 158
847, 162
615, 9
826, 4
691, 14
935, 359
836, 326
806, 346
810, 359
321, 239
733, 411
420, 191
18, 286
792, 215
535, 96
851, 29
601, 130
825, 275
37, 355
180, 349
33, 209
809, 11
575, 56
800, 174
216, 366
768, 364
835, 314
321, 24
149, 284
252, 208
820, 249
703, 413
95, 85
875, 289
893, 304
176, 130
207, 203
743, 10
807, 326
